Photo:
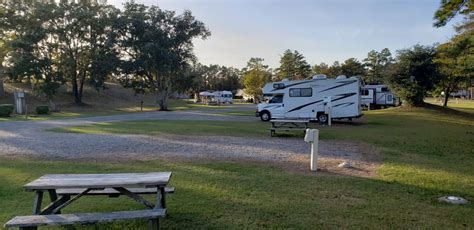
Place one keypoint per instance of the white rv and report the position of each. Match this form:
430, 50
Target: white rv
377, 96
217, 97
310, 99
223, 97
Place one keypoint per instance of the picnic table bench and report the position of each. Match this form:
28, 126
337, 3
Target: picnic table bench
288, 125
64, 189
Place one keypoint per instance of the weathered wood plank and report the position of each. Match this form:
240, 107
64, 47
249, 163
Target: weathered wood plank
59, 181
135, 197
83, 218
69, 201
50, 208
37, 202
112, 192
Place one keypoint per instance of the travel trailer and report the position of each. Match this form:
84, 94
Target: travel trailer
377, 96
217, 97
310, 99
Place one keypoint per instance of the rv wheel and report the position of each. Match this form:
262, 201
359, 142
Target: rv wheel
322, 118
265, 116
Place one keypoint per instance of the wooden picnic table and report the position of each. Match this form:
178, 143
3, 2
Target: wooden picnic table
71, 187
288, 125
121, 182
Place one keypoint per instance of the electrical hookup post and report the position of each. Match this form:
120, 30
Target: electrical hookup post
328, 108
312, 136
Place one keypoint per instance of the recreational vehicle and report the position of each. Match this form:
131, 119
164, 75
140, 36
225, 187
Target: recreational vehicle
377, 96
216, 97
311, 99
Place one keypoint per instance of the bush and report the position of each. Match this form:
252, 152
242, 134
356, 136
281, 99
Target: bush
6, 110
42, 109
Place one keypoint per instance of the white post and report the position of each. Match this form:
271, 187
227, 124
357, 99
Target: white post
314, 150
312, 136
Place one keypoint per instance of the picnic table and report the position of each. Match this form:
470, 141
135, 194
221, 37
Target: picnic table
288, 125
64, 189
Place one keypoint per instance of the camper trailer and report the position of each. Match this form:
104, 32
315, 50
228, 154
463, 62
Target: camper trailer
223, 97
377, 96
310, 99
216, 97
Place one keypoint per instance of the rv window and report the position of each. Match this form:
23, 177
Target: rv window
365, 92
278, 86
301, 92
276, 99
385, 89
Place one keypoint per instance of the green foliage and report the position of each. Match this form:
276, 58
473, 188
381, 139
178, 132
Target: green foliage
352, 67
293, 66
376, 63
211, 77
450, 8
6, 110
159, 48
255, 76
59, 43
42, 109
413, 74
455, 61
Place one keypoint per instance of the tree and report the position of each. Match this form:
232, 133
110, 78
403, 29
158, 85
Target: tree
255, 76
413, 74
455, 60
450, 8
30, 54
86, 34
293, 66
376, 63
352, 67
322, 68
158, 47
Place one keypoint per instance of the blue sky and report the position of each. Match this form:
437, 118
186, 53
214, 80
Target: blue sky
322, 30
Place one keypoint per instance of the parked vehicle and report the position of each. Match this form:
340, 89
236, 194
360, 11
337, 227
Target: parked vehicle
216, 97
310, 99
377, 96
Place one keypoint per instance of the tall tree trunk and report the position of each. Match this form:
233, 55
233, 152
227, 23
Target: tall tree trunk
163, 101
81, 87
446, 96
75, 90
2, 89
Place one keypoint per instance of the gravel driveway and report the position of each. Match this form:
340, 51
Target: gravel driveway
29, 138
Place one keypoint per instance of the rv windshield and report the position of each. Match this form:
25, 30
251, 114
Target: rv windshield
276, 99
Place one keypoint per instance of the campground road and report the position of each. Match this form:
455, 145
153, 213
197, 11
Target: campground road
30, 139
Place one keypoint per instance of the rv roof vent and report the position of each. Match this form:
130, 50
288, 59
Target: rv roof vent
319, 76
285, 79
341, 77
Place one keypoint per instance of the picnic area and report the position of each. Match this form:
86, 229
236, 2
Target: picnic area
121, 114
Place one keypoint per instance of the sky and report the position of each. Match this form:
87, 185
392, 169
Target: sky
322, 30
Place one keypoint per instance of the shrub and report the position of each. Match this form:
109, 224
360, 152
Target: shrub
6, 110
42, 109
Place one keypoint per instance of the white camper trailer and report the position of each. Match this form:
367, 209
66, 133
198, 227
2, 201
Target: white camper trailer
216, 97
311, 99
376, 96
223, 97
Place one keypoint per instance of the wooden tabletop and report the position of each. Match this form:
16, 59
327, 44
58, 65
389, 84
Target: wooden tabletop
129, 180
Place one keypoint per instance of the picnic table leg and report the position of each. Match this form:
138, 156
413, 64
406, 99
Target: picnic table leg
53, 196
160, 203
37, 202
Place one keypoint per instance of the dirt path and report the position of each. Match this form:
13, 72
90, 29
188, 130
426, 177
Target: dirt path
31, 139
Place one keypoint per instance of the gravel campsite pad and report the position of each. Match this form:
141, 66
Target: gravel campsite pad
32, 139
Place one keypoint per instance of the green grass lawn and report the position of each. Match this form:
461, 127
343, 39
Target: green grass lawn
79, 112
426, 154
